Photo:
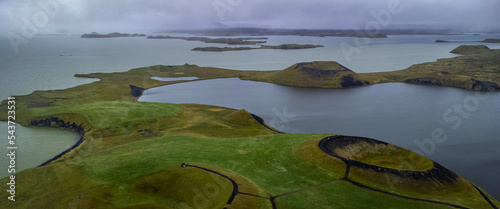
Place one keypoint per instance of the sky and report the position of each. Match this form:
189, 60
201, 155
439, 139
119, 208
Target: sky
79, 16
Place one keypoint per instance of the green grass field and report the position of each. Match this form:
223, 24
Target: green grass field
127, 169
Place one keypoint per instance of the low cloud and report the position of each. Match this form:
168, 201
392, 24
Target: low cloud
132, 15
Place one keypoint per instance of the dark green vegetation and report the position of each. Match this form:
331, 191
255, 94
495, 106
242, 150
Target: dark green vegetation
111, 35
132, 151
230, 41
470, 49
282, 46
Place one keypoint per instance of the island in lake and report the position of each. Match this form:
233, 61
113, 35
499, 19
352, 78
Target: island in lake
282, 46
230, 41
111, 35
159, 155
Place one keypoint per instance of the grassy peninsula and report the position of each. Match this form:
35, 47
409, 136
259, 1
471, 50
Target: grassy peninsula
155, 155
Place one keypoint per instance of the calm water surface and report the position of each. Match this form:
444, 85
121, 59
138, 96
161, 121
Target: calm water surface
34, 146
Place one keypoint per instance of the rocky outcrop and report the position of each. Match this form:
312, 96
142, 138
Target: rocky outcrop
56, 122
349, 81
261, 121
136, 91
309, 67
485, 85
425, 81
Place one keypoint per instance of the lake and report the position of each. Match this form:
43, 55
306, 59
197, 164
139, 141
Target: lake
49, 62
34, 146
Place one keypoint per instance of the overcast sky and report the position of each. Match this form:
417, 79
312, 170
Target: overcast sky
128, 15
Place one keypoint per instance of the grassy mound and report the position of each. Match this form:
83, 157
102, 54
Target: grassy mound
318, 74
241, 117
384, 155
470, 49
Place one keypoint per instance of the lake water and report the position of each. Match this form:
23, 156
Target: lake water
34, 146
49, 62
402, 114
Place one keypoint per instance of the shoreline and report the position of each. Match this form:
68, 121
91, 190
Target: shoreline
80, 130
58, 156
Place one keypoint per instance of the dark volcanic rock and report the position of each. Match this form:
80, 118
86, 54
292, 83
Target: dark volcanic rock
332, 144
425, 81
349, 81
485, 85
136, 91
261, 121
55, 122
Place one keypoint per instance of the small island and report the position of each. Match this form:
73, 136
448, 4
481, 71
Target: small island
230, 41
282, 46
111, 35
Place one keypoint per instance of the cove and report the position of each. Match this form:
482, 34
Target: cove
36, 145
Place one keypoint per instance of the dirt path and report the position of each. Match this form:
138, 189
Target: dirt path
235, 185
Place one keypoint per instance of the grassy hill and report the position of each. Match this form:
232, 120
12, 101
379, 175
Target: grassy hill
317, 74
